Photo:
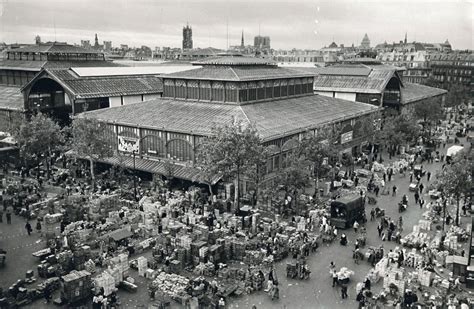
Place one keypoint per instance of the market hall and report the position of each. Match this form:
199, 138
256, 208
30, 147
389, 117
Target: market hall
228, 90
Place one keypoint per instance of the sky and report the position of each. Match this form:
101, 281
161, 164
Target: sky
302, 24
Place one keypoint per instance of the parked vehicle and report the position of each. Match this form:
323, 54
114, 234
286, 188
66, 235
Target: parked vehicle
346, 210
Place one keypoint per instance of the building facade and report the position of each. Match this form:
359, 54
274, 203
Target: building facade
187, 38
416, 64
454, 68
279, 102
261, 42
365, 44
376, 84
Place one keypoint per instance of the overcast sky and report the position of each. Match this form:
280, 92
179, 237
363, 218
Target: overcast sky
290, 24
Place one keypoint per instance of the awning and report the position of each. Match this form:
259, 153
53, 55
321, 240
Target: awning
156, 167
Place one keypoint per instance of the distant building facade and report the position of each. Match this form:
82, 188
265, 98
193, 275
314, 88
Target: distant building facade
416, 63
261, 42
187, 38
453, 69
107, 45
365, 44
86, 44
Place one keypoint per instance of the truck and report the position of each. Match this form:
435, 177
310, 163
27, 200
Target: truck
346, 210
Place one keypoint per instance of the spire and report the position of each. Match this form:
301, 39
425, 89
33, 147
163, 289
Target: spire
96, 41
405, 38
242, 40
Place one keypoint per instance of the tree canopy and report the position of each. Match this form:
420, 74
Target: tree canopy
456, 179
89, 140
231, 151
38, 137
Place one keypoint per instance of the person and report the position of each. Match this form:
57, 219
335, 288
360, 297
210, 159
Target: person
343, 239
28, 228
417, 196
221, 303
421, 187
334, 279
394, 190
38, 226
448, 219
367, 284
1, 214
422, 202
405, 199
428, 176
344, 291
356, 226
376, 191
9, 216
411, 177
372, 214
380, 229
356, 255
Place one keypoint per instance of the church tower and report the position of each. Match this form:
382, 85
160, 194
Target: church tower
96, 44
242, 40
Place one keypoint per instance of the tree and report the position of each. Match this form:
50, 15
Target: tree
294, 177
231, 151
90, 142
370, 130
456, 180
37, 138
318, 148
397, 131
457, 94
430, 112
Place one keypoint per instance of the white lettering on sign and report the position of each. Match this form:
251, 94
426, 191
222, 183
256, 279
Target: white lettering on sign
346, 137
128, 144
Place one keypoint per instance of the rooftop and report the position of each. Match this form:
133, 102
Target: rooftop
102, 86
36, 66
415, 92
273, 119
11, 98
239, 73
352, 77
235, 60
124, 71
54, 48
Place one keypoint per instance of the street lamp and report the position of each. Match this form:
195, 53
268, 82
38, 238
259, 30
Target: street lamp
135, 175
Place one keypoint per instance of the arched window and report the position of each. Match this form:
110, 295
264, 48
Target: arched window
243, 92
180, 150
231, 92
153, 145
193, 90
205, 91
169, 88
180, 89
276, 89
218, 91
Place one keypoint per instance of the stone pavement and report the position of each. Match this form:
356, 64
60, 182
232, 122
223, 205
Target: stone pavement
15, 240
317, 292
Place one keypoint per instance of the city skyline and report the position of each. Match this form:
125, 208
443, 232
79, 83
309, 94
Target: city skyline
298, 24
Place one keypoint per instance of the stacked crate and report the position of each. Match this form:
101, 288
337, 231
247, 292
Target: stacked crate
76, 286
142, 264
105, 281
